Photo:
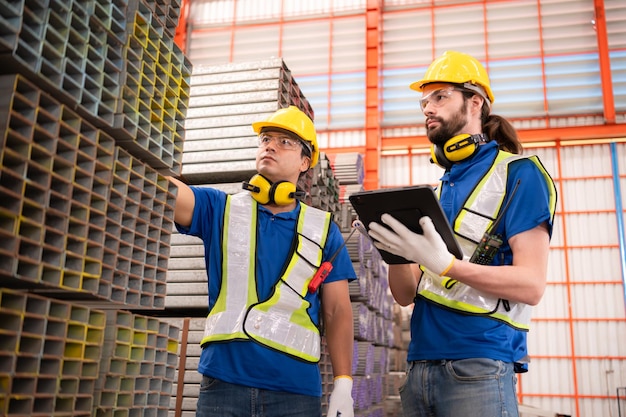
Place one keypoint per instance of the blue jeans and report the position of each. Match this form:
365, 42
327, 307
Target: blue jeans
467, 387
222, 399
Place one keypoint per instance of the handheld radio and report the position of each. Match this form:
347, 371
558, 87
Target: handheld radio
327, 266
491, 242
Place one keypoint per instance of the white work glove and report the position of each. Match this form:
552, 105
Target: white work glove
341, 403
427, 249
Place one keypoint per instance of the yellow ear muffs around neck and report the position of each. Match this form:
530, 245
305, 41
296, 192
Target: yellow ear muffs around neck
280, 193
456, 149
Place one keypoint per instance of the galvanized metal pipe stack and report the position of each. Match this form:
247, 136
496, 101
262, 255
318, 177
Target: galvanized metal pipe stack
94, 95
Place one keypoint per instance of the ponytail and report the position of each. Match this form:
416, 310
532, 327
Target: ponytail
500, 129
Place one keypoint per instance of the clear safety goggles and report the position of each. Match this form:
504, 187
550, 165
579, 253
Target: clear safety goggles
282, 141
438, 98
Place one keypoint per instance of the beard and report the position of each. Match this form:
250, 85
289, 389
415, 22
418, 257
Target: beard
448, 129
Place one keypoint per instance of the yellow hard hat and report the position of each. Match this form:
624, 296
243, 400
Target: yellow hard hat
296, 121
457, 68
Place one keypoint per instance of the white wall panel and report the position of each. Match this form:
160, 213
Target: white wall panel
394, 170
210, 50
600, 300
211, 12
518, 86
567, 26
341, 139
585, 263
615, 18
549, 375
407, 42
595, 407
598, 377
348, 45
591, 229
557, 272
569, 79
424, 171
600, 338
253, 10
407, 38
561, 405
594, 194
348, 98
586, 161
553, 305
501, 18
256, 43
452, 24
618, 77
305, 46
548, 338
322, 7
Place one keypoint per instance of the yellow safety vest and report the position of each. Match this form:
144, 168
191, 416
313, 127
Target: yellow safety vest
478, 214
281, 322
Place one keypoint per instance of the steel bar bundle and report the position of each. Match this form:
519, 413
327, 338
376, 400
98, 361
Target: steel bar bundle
362, 318
360, 288
381, 360
363, 358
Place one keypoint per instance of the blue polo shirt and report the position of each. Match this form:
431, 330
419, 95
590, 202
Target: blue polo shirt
245, 362
439, 333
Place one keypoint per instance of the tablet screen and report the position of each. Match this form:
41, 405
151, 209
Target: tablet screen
407, 205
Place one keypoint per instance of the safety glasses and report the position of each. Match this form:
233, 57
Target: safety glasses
282, 141
437, 98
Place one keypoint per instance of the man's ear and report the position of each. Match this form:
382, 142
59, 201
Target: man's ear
477, 103
306, 164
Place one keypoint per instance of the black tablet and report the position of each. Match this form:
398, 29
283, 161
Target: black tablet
408, 205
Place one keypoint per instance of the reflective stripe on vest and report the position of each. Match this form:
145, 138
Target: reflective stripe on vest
281, 322
477, 215
238, 288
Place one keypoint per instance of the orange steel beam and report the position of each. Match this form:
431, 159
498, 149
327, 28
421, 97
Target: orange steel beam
542, 52
525, 135
233, 25
605, 62
180, 36
568, 282
372, 93
329, 84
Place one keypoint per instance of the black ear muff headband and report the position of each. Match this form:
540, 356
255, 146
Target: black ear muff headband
456, 149
263, 191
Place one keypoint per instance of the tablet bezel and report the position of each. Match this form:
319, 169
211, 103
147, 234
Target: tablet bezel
402, 203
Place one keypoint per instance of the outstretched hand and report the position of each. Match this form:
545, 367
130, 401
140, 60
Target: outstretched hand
427, 249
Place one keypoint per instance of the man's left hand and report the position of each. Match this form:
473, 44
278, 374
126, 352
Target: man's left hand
341, 403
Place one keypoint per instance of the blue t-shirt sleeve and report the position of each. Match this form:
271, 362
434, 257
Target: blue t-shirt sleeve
530, 206
207, 212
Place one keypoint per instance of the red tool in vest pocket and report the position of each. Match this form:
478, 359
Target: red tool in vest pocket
327, 266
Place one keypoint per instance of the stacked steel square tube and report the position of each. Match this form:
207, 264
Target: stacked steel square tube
93, 96
50, 355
